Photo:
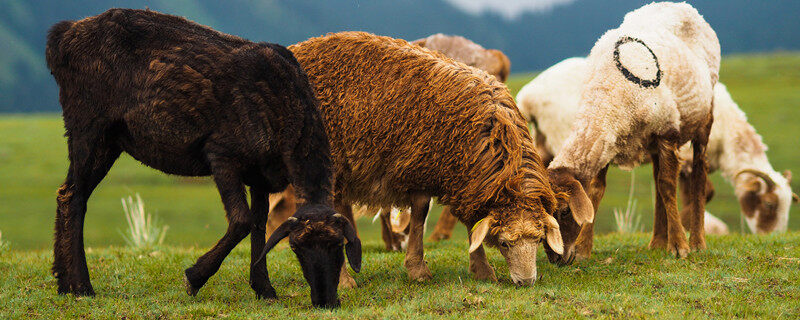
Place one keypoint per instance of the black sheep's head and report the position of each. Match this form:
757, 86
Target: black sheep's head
319, 238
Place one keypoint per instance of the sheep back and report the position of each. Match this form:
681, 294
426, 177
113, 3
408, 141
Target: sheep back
403, 119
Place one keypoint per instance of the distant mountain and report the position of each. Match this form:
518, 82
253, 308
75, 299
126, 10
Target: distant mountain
533, 41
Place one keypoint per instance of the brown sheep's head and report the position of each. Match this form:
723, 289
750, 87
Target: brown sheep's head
497, 64
516, 233
764, 199
317, 236
573, 210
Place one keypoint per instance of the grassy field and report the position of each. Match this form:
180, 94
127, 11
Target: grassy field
739, 276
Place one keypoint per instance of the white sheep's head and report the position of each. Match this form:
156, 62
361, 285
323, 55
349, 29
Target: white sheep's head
765, 199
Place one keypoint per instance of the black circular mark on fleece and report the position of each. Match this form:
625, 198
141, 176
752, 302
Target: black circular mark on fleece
627, 73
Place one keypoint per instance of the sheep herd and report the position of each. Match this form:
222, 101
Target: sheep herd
355, 119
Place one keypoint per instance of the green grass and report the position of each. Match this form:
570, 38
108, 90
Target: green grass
739, 276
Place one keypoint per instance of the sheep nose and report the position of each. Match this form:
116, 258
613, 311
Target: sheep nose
524, 282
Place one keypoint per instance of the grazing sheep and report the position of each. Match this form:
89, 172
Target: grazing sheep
474, 55
187, 100
407, 124
460, 49
552, 102
648, 90
735, 149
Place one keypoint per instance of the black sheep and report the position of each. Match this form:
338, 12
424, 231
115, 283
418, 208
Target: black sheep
188, 100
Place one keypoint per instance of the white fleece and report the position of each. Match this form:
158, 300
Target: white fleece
552, 100
617, 118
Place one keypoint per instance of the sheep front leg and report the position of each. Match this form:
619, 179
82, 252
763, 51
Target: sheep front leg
478, 263
583, 245
391, 240
686, 196
697, 192
259, 277
444, 227
346, 209
666, 168
227, 177
415, 256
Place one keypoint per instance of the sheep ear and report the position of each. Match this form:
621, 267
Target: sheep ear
478, 233
403, 219
353, 246
579, 203
553, 234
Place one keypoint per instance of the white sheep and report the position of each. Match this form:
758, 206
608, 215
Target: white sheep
648, 90
552, 99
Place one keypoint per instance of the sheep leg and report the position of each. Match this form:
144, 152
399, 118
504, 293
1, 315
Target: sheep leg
659, 240
231, 190
415, 256
698, 193
259, 276
390, 239
583, 245
683, 179
478, 263
666, 192
89, 164
345, 209
444, 227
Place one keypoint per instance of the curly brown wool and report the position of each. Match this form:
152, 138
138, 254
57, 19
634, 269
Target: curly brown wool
406, 123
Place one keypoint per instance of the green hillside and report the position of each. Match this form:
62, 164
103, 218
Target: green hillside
33, 164
533, 41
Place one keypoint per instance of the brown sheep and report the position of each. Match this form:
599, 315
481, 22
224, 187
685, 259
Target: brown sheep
460, 49
474, 55
187, 100
407, 124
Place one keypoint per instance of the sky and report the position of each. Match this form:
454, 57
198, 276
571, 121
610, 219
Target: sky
508, 9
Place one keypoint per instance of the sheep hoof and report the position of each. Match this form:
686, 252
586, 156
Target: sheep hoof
658, 243
420, 272
190, 289
439, 236
268, 294
679, 251
346, 281
697, 245
482, 271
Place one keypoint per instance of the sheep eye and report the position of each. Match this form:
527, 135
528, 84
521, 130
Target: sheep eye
505, 244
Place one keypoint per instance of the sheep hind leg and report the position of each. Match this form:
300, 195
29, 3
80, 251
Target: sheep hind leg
232, 192
698, 195
259, 276
666, 188
346, 209
659, 240
390, 239
583, 245
479, 264
415, 255
444, 227
89, 164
